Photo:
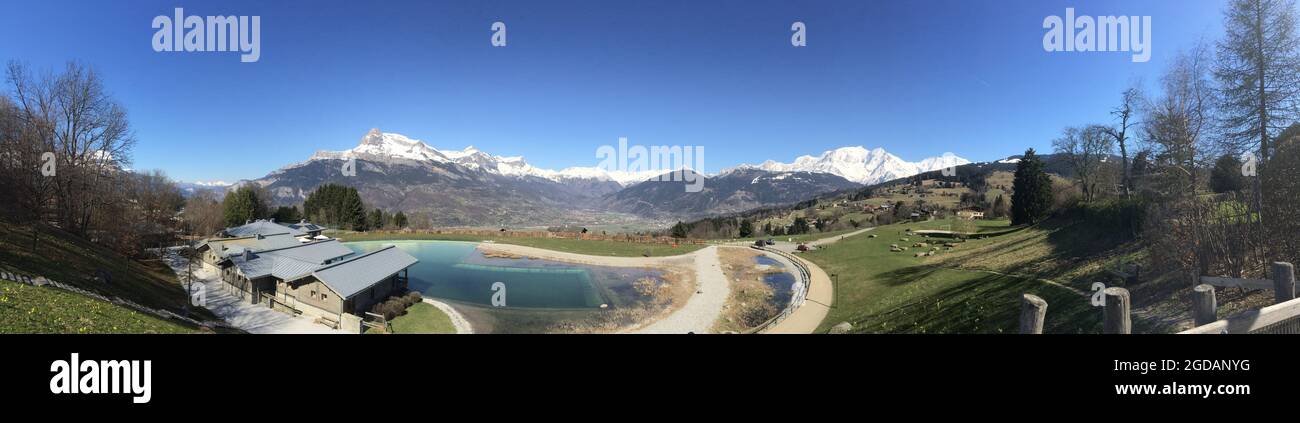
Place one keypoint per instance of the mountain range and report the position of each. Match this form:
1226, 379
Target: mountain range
470, 187
860, 165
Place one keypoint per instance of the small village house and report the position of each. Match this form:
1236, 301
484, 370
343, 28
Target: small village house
970, 213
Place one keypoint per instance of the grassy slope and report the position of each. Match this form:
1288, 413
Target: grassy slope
884, 292
73, 261
589, 247
423, 318
30, 309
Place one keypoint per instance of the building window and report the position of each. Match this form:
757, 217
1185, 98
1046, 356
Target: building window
313, 295
322, 296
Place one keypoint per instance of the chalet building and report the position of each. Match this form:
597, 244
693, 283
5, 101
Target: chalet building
214, 251
323, 280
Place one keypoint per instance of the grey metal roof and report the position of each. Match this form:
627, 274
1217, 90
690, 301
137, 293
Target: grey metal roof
313, 252
288, 263
304, 226
351, 276
262, 227
252, 266
232, 246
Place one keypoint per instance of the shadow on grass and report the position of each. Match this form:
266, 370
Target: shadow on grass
66, 258
985, 304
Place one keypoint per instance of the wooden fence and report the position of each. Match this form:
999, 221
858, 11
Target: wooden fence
1281, 317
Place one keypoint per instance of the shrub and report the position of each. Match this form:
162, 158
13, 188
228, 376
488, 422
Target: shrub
396, 305
1123, 217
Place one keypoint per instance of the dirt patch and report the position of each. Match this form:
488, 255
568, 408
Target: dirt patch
750, 303
490, 253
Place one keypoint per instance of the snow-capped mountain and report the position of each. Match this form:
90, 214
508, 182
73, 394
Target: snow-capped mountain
384, 146
472, 187
860, 165
188, 189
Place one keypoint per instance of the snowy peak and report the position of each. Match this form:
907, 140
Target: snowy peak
386, 146
858, 164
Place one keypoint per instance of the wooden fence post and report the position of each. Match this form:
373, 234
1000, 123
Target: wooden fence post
1033, 311
1283, 282
1204, 305
1116, 317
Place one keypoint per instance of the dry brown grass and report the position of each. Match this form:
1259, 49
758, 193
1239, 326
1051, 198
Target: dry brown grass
750, 302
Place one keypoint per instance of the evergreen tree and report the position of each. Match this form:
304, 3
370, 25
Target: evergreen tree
679, 230
336, 205
287, 214
800, 226
999, 208
352, 212
1259, 71
399, 220
242, 206
746, 228
1226, 175
1032, 199
376, 220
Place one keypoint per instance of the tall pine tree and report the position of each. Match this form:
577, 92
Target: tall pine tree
1032, 199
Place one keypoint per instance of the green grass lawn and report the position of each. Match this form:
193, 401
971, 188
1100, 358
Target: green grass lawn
819, 235
423, 318
577, 246
71, 260
32, 309
884, 292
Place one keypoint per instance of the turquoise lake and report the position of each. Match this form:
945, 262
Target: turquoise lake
458, 272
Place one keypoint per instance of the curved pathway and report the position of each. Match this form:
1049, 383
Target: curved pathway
821, 294
703, 308
809, 316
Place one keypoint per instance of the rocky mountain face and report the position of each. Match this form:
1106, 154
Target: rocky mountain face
734, 191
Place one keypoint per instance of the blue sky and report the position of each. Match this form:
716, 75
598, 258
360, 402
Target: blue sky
918, 78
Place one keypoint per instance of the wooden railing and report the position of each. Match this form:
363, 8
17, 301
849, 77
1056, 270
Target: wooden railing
797, 297
1281, 317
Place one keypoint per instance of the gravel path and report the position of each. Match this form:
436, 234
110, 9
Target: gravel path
457, 320
702, 309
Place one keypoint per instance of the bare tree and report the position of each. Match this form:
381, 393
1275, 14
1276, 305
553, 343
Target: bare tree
1086, 150
1176, 125
203, 214
26, 190
1126, 112
88, 131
